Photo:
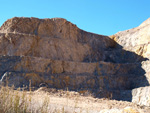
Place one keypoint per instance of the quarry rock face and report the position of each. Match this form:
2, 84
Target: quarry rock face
55, 39
58, 54
136, 40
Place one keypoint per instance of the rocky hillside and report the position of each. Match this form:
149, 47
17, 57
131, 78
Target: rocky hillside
57, 54
136, 39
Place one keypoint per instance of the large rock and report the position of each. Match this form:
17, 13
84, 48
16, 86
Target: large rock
141, 96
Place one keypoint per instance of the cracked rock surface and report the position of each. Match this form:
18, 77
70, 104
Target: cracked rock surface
57, 53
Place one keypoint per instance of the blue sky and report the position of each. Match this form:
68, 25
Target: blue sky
98, 16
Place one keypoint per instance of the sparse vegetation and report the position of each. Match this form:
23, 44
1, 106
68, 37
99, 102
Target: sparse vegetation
53, 101
12, 101
22, 101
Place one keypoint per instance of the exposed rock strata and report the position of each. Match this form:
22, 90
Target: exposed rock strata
58, 54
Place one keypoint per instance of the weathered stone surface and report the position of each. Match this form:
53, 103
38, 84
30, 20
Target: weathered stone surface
107, 75
141, 96
57, 53
59, 38
136, 39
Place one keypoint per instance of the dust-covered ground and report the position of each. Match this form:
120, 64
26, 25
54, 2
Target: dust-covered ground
48, 100
73, 102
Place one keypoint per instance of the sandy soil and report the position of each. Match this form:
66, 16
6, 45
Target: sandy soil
73, 102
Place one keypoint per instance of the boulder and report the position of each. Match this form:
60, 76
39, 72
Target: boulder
141, 96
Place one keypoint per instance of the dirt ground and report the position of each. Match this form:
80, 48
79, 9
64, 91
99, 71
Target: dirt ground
73, 102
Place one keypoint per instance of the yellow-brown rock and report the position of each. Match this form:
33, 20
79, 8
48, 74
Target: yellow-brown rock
58, 54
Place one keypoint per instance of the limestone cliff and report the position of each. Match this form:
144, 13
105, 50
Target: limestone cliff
136, 40
57, 53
